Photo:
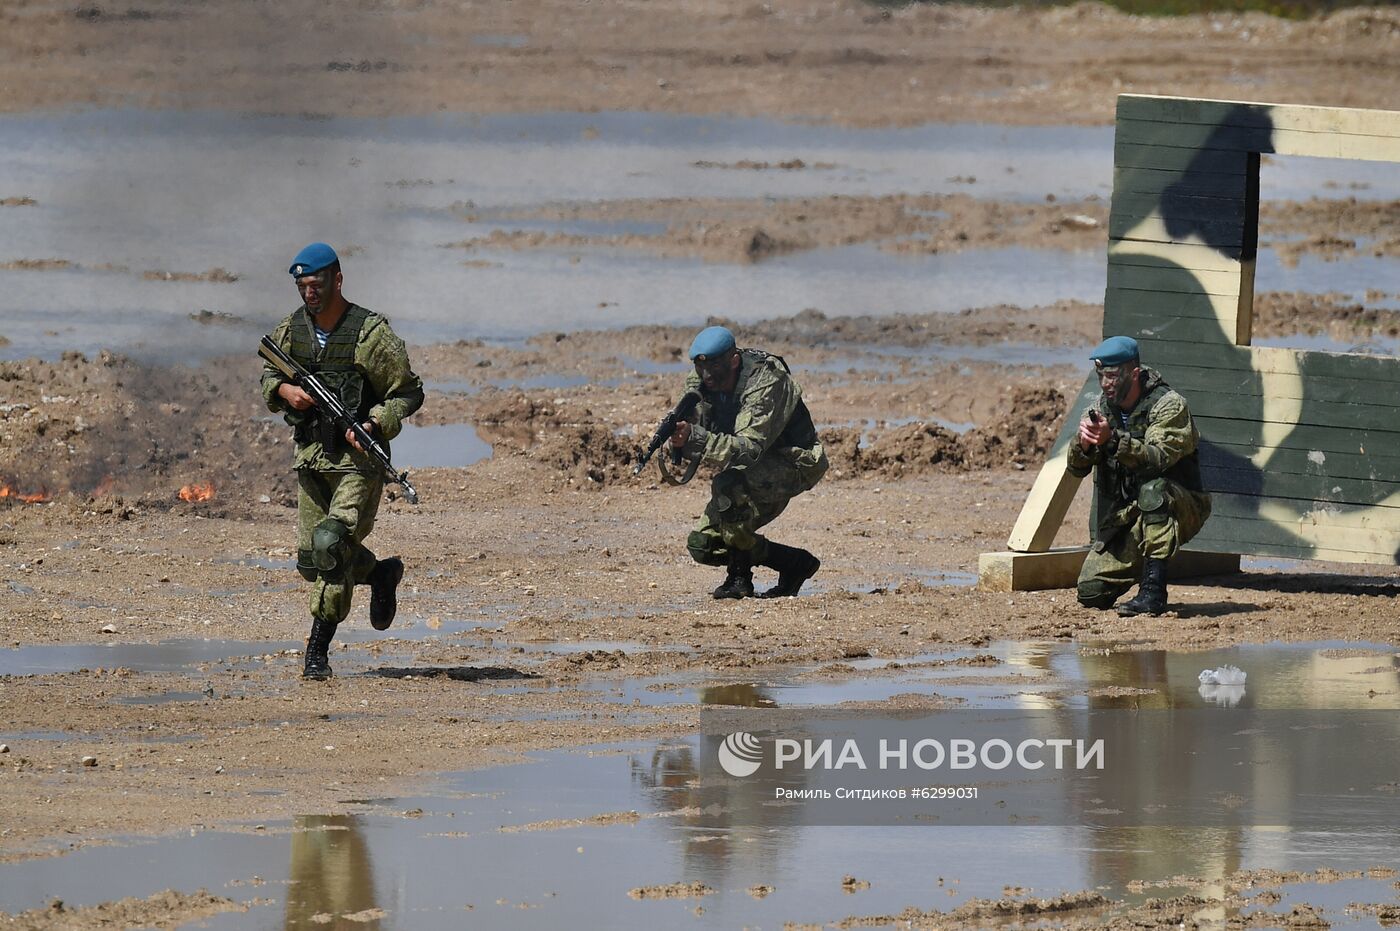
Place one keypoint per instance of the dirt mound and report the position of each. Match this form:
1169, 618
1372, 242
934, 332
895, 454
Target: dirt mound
1021, 439
585, 454
912, 449
110, 426
520, 409
1023, 436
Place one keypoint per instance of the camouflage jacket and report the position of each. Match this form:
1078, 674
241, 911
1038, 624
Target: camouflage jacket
1159, 441
763, 416
391, 391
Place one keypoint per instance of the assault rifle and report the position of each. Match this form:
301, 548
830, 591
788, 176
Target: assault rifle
330, 406
684, 410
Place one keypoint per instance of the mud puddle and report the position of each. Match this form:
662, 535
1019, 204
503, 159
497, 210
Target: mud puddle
577, 836
1036, 675
572, 835
447, 446
166, 656
174, 289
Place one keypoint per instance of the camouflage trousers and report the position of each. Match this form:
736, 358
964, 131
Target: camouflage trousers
353, 500
742, 501
1164, 520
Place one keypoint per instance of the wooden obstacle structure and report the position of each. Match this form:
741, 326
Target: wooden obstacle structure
1300, 450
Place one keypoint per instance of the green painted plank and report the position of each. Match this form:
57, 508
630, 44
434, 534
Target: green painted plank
1279, 116
1185, 255
1153, 181
1258, 139
1177, 229
1123, 308
1146, 278
1253, 433
1304, 487
1205, 543
1215, 209
1168, 304
1153, 237
1317, 463
1251, 536
1370, 417
1273, 359
1182, 160
1195, 136
1188, 329
1246, 507
1273, 385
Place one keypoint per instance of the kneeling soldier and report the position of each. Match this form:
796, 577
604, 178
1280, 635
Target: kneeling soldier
358, 356
754, 425
1140, 441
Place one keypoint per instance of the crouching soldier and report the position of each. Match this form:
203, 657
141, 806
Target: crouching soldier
1139, 440
358, 356
753, 424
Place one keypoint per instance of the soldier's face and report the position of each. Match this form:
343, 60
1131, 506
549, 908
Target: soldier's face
1117, 380
718, 374
317, 289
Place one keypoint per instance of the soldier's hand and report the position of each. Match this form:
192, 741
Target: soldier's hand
681, 436
1093, 434
295, 398
350, 438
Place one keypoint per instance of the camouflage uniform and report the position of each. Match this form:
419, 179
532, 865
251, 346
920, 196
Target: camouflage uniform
1150, 498
762, 437
367, 365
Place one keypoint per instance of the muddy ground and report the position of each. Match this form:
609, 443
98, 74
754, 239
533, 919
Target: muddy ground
552, 540
845, 62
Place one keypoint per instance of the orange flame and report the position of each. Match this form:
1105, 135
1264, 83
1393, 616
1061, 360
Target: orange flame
105, 486
8, 491
199, 491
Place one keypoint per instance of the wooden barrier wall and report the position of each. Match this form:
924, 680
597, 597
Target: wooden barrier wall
1301, 450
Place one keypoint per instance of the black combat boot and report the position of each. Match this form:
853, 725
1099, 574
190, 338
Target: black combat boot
794, 566
318, 644
1151, 597
383, 586
738, 581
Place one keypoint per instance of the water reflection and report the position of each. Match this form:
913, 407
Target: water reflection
332, 876
1337, 676
695, 823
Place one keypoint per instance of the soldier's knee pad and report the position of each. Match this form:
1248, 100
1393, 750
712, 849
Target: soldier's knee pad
1154, 502
705, 549
1095, 594
331, 549
306, 565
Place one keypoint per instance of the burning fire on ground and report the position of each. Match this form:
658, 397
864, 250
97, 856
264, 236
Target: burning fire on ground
9, 493
198, 491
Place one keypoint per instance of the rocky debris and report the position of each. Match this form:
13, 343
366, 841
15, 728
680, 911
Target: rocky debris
690, 890
1021, 439
850, 885
168, 909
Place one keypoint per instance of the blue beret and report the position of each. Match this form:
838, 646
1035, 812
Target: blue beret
710, 342
1116, 350
312, 259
